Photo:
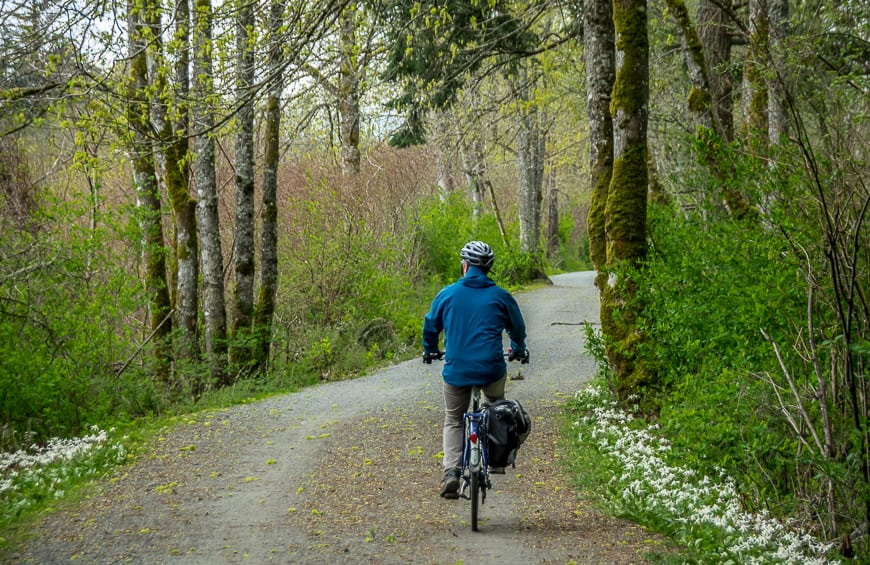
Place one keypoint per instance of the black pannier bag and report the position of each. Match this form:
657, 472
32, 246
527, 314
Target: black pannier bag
507, 428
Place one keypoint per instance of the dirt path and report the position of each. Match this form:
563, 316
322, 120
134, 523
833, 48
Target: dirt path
348, 472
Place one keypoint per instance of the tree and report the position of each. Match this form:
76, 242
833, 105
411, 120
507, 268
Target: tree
352, 63
243, 242
531, 156
173, 101
625, 211
715, 31
598, 37
145, 183
211, 255
265, 307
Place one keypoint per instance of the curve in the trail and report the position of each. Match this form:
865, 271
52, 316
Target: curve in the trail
228, 486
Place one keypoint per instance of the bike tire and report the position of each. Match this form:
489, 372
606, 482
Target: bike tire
475, 499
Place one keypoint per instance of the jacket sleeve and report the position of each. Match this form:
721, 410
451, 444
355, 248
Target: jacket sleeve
433, 324
516, 326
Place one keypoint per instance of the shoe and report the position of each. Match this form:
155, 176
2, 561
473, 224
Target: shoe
450, 486
496, 470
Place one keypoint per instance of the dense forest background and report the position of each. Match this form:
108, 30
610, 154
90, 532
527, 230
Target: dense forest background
202, 196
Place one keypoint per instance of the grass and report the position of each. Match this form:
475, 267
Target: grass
625, 467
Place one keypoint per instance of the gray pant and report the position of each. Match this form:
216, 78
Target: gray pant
456, 401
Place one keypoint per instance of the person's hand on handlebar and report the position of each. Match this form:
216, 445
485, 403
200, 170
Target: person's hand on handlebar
429, 356
523, 357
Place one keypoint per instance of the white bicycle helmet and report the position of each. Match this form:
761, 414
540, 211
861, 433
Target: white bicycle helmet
478, 254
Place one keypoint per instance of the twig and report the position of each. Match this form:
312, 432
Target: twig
143, 344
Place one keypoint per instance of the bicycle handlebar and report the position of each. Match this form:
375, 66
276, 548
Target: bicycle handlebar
511, 355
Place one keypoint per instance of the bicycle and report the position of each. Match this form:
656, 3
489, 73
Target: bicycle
475, 473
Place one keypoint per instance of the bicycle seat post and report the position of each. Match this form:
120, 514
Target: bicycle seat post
475, 398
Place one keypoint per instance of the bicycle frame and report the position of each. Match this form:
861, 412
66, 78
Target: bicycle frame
475, 468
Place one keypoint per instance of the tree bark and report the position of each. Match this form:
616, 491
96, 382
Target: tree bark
754, 85
439, 140
147, 192
600, 75
243, 241
349, 92
169, 111
175, 144
777, 118
701, 102
265, 308
625, 213
531, 147
553, 224
713, 31
214, 308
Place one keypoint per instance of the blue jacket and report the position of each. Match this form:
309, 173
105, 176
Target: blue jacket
473, 312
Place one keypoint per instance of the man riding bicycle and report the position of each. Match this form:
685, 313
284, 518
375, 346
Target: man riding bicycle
473, 312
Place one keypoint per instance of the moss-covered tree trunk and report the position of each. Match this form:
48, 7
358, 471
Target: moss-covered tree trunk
701, 102
265, 308
147, 193
600, 73
705, 97
625, 212
175, 144
211, 256
243, 240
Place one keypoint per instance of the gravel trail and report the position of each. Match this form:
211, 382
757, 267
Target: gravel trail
348, 472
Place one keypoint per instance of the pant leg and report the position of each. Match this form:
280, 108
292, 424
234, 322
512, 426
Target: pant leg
495, 391
456, 401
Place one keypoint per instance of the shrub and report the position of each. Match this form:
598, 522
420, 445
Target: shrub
709, 290
63, 304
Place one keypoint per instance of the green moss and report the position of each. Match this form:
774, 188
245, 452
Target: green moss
626, 207
601, 175
699, 101
630, 88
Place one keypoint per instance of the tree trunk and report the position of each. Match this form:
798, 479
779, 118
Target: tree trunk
175, 145
713, 30
207, 205
348, 92
777, 118
147, 193
600, 75
701, 101
265, 309
553, 224
443, 162
243, 241
531, 147
754, 85
625, 213
474, 167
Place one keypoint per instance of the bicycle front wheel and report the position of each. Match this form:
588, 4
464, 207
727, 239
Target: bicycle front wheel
475, 498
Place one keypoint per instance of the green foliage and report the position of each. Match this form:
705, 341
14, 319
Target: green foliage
55, 359
445, 226
29, 478
434, 47
350, 293
709, 290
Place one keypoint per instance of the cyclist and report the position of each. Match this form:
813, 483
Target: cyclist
473, 312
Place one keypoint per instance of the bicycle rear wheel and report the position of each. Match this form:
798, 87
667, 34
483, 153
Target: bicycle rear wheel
475, 498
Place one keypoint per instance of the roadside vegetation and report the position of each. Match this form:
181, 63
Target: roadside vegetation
708, 159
